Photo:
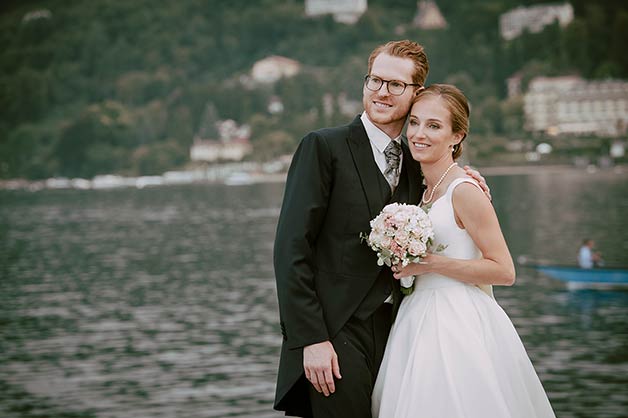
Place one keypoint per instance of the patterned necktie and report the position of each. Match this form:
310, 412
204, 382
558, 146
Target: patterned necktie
392, 153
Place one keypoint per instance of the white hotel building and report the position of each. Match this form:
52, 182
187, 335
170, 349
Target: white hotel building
574, 106
344, 11
533, 19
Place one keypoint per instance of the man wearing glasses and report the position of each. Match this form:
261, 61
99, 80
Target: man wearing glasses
336, 304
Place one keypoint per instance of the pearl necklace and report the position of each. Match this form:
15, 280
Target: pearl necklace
440, 180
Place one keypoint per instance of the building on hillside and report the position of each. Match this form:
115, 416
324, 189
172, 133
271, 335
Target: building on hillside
513, 84
272, 68
275, 105
232, 145
36, 15
428, 16
211, 151
348, 107
344, 11
533, 19
570, 105
341, 104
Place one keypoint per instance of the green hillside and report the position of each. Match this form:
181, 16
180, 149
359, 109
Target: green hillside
121, 87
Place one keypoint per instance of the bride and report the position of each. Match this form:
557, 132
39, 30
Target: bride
452, 351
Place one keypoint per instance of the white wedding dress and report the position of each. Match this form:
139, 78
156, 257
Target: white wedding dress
452, 351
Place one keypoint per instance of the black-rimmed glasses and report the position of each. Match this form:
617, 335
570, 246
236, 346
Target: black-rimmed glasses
394, 87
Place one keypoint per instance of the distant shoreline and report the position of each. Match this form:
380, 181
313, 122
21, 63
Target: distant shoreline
245, 177
545, 169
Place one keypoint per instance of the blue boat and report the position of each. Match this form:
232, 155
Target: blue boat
576, 277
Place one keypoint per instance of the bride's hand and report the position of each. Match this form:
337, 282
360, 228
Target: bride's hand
426, 265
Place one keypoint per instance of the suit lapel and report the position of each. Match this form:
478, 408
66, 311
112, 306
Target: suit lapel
411, 176
367, 169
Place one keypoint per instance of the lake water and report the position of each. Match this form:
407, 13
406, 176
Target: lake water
161, 302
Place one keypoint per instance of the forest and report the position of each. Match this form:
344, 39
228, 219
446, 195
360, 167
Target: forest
108, 86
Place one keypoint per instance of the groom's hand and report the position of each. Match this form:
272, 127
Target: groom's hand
320, 363
474, 174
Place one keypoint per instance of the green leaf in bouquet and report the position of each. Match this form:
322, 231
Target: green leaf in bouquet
386, 254
441, 247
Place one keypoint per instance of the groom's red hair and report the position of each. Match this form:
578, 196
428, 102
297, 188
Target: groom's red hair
405, 49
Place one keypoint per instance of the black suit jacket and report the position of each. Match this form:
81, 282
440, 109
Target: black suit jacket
323, 269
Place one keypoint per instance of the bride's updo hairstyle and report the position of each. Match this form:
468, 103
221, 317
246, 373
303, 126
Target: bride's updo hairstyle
458, 107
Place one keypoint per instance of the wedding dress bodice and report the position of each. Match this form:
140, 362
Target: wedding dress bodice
457, 241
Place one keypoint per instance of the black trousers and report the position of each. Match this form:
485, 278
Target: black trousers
360, 347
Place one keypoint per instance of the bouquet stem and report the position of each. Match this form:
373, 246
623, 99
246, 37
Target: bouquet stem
407, 285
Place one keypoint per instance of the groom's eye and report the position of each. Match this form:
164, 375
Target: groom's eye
396, 84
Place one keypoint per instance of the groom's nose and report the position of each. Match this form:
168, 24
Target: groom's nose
383, 90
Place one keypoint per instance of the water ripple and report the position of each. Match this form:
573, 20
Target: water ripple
137, 303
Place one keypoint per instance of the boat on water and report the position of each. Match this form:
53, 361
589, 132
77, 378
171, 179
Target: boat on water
578, 278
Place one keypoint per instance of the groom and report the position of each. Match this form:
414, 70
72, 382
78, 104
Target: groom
335, 303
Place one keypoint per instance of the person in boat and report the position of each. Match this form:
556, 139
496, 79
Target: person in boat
588, 258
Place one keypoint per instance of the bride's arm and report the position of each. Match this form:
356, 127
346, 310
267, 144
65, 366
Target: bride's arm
474, 211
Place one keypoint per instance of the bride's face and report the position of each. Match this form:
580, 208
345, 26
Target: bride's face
429, 131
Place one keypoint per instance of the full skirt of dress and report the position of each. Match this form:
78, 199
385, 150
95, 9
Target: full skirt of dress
453, 352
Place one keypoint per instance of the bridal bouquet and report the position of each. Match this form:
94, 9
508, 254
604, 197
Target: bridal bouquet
401, 234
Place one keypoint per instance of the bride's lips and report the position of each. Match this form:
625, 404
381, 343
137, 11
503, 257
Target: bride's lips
420, 145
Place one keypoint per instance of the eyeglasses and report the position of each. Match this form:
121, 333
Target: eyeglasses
394, 87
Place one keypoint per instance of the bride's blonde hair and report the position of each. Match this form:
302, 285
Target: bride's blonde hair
458, 106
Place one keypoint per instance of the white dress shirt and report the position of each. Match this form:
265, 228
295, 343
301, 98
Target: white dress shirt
379, 141
585, 258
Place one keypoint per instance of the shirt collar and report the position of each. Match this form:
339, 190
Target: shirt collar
376, 135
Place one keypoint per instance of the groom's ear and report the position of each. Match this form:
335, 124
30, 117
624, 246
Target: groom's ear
419, 90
